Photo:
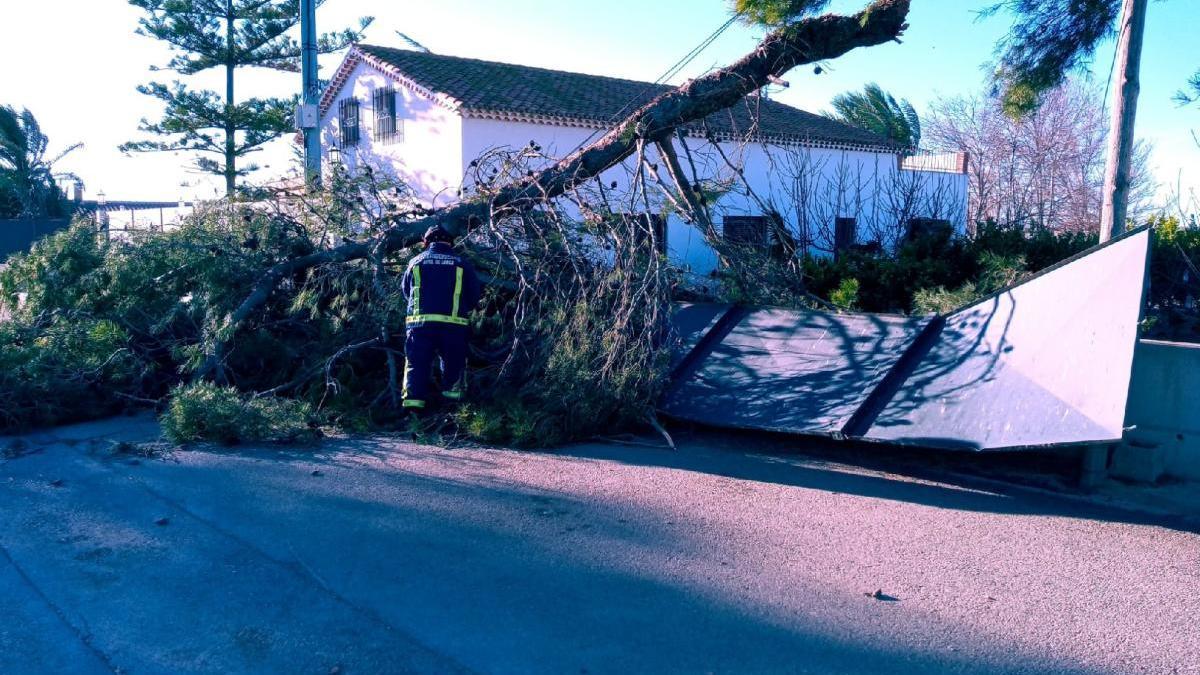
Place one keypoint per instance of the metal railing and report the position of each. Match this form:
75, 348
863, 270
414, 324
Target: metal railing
940, 162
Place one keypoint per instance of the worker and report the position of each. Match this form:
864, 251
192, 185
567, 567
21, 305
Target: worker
440, 288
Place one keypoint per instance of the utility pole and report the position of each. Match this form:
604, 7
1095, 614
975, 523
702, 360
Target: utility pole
230, 126
1124, 109
308, 116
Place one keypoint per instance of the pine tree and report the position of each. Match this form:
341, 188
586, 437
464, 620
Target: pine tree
877, 111
1190, 94
228, 34
1049, 39
776, 12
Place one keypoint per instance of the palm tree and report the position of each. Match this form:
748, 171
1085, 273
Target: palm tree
27, 175
877, 111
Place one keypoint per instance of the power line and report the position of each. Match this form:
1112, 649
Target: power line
674, 70
690, 56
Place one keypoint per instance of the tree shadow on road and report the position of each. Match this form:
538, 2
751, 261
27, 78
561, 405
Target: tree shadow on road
967, 481
492, 569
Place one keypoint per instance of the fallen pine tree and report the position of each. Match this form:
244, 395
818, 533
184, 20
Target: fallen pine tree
294, 298
802, 42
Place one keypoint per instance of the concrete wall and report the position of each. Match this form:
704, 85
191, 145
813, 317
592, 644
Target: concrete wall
1164, 408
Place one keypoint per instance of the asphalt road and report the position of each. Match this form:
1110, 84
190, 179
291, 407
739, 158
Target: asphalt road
378, 556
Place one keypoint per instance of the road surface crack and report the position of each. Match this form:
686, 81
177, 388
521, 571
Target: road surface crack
84, 637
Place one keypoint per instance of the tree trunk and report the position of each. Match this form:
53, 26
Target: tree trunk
230, 129
805, 41
1124, 109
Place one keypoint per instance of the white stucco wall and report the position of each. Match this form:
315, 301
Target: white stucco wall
685, 244
812, 186
429, 155
808, 186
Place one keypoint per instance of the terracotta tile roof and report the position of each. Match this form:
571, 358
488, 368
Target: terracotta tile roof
477, 88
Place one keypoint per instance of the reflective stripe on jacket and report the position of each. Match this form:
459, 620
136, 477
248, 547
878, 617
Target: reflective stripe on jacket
440, 287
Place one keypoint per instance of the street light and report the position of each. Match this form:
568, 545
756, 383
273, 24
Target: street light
335, 156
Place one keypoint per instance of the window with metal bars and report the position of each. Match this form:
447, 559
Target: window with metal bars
348, 121
387, 128
746, 230
922, 228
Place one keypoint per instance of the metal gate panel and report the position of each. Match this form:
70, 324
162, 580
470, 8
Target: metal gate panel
796, 371
1044, 362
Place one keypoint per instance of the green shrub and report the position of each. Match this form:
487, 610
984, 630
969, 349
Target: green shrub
938, 273
887, 282
486, 423
515, 423
941, 301
1172, 308
846, 294
61, 368
207, 412
93, 325
584, 374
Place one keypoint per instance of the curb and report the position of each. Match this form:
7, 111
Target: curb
1146, 514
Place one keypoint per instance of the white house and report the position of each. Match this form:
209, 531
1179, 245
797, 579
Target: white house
425, 117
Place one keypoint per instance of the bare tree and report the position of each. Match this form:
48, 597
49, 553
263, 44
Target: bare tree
1044, 169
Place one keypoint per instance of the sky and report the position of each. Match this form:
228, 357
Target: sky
76, 64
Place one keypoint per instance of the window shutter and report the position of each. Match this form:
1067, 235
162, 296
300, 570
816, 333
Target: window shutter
380, 114
651, 227
354, 122
844, 234
342, 128
397, 123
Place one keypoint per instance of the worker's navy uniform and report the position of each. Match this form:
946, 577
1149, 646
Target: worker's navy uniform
441, 289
